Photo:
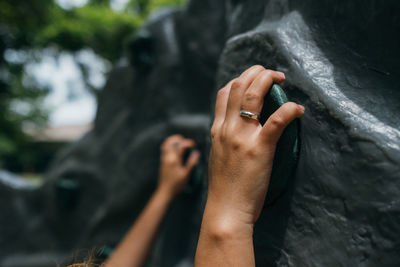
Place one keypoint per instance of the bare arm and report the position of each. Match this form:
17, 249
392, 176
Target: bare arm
240, 166
134, 248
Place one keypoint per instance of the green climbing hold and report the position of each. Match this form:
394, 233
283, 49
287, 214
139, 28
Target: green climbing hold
287, 150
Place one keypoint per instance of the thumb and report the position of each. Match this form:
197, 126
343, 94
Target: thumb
192, 160
277, 122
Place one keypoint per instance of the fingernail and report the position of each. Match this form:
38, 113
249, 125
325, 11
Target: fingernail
282, 75
302, 108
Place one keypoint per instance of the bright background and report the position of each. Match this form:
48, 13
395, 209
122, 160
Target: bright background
54, 60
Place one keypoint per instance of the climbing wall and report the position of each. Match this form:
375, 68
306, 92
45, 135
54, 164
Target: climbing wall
339, 208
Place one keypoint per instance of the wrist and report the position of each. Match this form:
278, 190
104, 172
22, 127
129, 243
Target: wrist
224, 223
164, 193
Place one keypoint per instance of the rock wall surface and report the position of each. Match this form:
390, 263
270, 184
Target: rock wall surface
340, 208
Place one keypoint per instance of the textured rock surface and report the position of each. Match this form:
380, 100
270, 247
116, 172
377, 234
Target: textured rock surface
341, 207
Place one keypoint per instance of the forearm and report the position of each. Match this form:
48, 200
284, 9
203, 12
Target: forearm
240, 165
225, 239
134, 248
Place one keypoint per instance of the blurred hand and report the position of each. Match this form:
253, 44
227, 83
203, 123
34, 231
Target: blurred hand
135, 246
243, 150
174, 175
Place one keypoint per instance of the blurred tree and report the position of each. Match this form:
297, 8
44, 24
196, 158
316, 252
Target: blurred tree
101, 2
20, 22
145, 7
27, 27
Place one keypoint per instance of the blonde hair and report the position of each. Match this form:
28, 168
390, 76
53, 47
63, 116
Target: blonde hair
89, 261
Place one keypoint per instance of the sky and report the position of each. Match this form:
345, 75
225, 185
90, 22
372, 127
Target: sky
69, 101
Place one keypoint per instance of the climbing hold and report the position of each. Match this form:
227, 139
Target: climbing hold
287, 150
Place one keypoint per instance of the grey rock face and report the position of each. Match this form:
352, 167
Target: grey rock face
341, 206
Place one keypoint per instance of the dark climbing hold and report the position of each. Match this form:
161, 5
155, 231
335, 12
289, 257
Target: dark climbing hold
67, 193
287, 149
142, 55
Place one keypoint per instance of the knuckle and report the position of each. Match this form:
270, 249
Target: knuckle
237, 84
290, 106
257, 67
251, 96
236, 143
252, 152
265, 76
289, 110
267, 72
221, 92
277, 121
213, 132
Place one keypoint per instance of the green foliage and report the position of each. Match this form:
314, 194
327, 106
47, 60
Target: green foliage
154, 4
21, 20
20, 104
29, 26
97, 27
145, 7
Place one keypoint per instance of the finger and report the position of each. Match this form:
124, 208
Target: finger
277, 122
238, 88
169, 142
221, 103
184, 145
192, 161
253, 97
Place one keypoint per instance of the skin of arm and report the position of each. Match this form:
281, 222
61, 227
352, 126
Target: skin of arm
240, 165
133, 249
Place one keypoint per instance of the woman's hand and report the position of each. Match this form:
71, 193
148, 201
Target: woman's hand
242, 149
240, 166
135, 246
174, 174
